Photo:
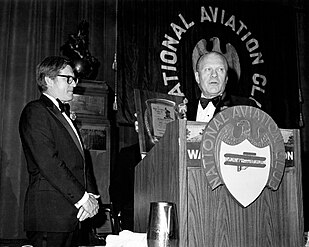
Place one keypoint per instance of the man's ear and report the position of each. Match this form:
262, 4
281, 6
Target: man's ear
49, 82
197, 78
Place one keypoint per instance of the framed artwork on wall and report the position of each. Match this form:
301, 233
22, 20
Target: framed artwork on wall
90, 101
94, 137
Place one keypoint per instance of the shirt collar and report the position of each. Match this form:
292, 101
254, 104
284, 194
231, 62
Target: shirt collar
52, 99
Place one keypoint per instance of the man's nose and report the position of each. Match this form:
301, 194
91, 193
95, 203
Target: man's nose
214, 73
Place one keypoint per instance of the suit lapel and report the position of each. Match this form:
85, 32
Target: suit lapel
192, 110
55, 111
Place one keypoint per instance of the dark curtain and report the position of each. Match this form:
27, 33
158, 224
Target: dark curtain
29, 31
144, 26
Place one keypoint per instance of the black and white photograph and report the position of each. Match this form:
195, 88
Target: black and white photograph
148, 123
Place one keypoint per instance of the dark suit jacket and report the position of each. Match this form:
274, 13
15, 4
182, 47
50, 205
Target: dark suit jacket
58, 177
226, 101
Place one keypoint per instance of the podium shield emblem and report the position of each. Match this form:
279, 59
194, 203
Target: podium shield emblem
245, 173
242, 148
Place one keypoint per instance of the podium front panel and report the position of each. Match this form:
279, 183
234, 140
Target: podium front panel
212, 218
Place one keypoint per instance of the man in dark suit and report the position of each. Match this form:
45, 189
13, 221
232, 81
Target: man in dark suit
211, 76
61, 191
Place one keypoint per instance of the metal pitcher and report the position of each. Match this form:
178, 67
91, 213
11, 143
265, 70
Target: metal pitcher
163, 229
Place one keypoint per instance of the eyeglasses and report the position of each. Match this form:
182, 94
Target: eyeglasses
70, 79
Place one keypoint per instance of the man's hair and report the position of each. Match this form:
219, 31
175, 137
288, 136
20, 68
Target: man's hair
50, 67
226, 65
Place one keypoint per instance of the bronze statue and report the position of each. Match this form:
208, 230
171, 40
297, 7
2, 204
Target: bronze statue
76, 48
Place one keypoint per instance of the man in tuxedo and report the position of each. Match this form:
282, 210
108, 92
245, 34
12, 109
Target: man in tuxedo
211, 76
61, 191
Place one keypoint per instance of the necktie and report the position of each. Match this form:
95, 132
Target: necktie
64, 107
204, 102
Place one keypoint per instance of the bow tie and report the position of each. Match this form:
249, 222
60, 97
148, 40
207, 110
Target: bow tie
204, 102
64, 107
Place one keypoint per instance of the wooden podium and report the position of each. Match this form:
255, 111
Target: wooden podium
212, 218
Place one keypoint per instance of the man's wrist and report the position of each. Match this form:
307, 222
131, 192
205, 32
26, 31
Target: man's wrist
82, 201
95, 196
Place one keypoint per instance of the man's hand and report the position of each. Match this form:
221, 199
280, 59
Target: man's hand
89, 209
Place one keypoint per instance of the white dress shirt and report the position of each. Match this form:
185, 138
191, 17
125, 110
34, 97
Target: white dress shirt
205, 115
